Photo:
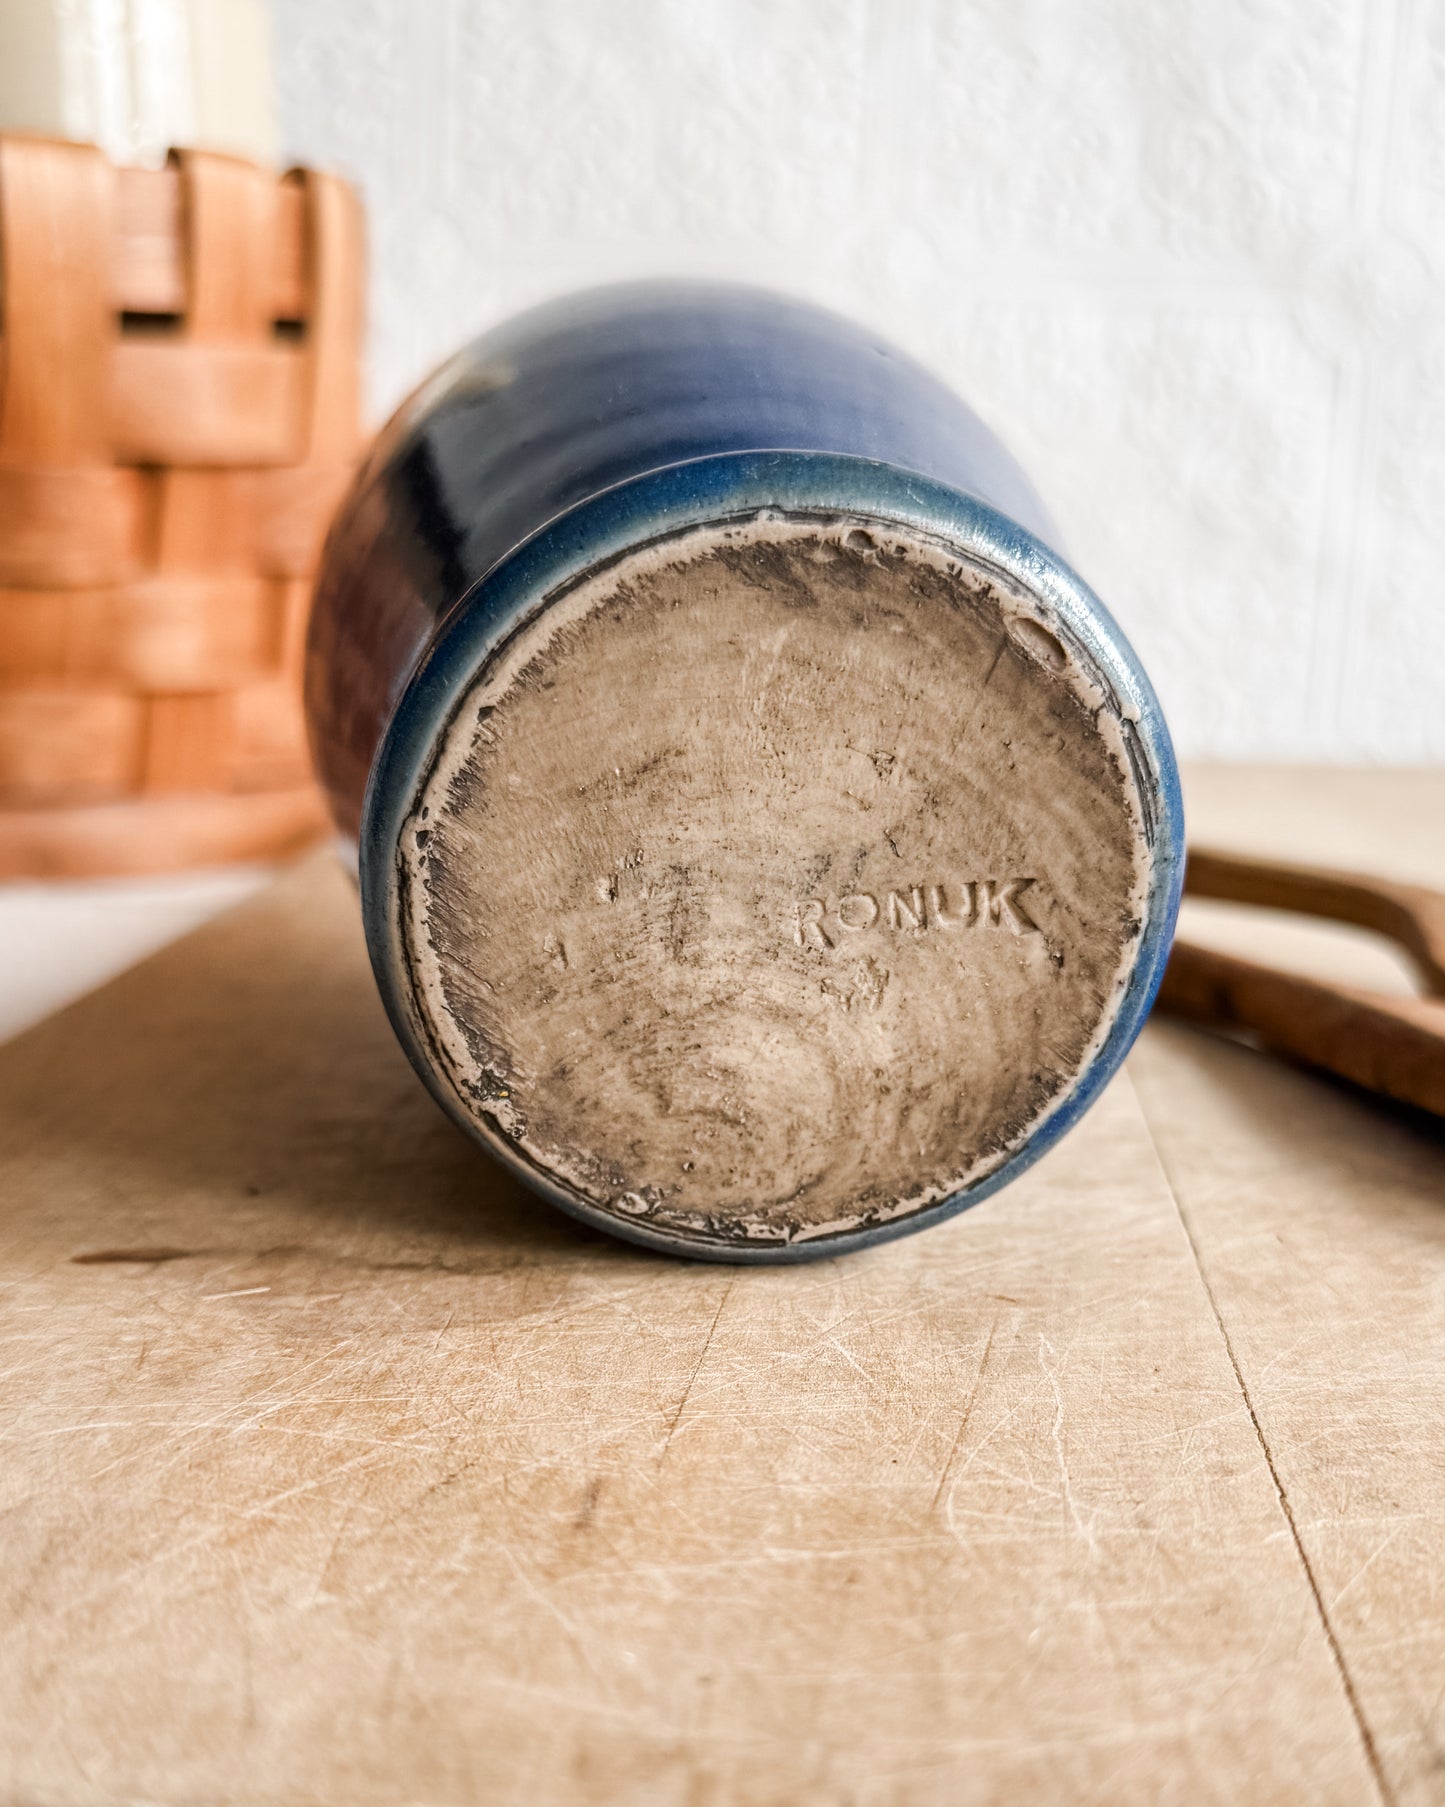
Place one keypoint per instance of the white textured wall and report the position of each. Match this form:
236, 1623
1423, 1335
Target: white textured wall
1186, 255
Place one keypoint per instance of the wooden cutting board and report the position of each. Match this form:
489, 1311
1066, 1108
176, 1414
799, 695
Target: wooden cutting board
337, 1468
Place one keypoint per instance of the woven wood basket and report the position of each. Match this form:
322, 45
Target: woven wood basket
179, 414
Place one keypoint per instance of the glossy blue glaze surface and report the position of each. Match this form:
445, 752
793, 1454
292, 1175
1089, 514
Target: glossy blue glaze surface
568, 400
593, 426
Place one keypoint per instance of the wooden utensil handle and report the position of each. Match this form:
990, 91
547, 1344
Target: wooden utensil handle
1391, 1045
1410, 915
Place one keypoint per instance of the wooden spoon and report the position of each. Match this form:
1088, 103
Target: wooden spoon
1392, 1045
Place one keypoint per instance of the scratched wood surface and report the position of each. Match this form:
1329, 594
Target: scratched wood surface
336, 1468
1318, 1219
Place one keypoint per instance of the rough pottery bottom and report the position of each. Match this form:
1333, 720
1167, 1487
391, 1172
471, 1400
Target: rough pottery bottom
774, 883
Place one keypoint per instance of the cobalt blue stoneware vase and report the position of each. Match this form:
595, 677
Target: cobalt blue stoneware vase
768, 845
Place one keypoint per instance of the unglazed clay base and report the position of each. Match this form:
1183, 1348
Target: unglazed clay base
776, 881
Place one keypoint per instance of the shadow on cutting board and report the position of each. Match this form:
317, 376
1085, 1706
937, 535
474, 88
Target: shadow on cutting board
240, 1100
242, 1094
1263, 1126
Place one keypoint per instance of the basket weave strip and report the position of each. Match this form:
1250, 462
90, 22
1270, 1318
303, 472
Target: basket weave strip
147, 263
157, 834
169, 632
179, 415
